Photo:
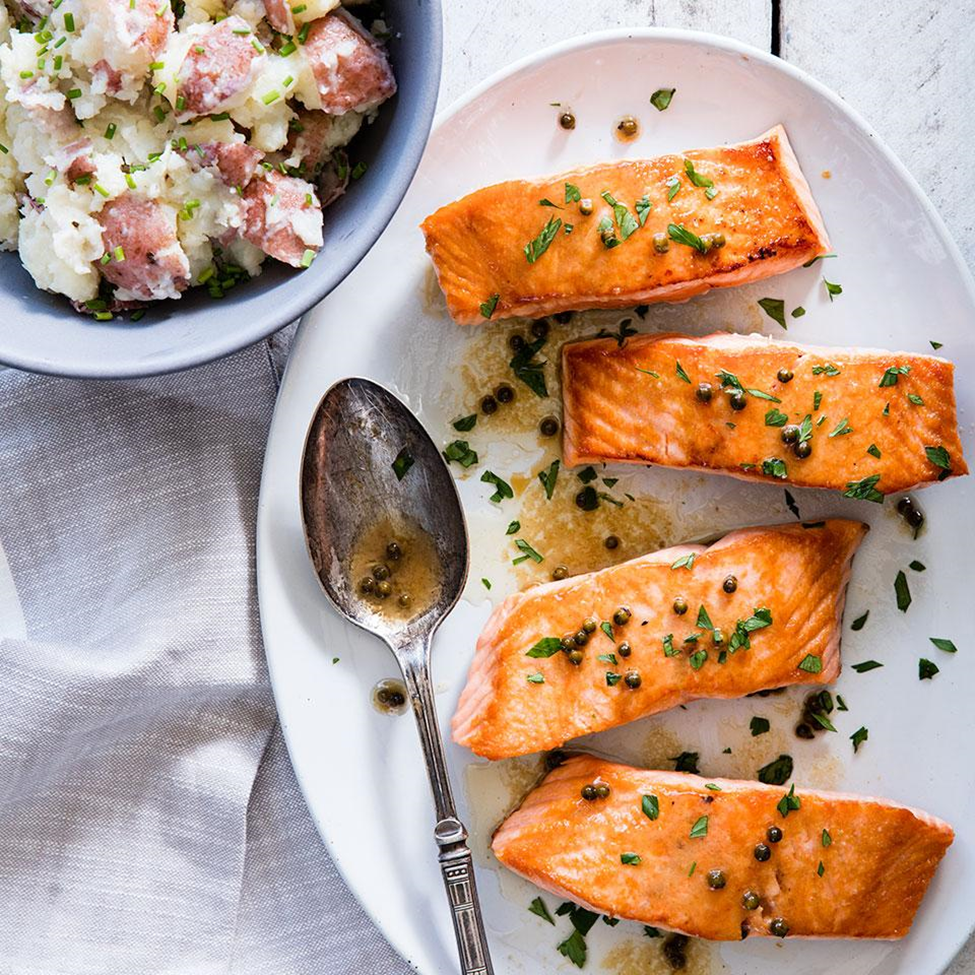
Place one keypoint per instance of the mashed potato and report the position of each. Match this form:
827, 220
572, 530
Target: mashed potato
146, 148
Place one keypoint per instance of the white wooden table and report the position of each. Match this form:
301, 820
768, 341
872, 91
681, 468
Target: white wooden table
905, 65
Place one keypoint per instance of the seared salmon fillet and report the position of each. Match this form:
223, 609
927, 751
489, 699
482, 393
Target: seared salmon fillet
649, 235
863, 421
665, 849
664, 630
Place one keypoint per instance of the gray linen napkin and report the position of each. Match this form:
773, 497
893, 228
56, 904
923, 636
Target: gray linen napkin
136, 833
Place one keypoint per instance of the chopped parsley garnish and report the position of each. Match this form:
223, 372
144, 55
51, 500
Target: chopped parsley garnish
730, 381
818, 257
827, 369
926, 669
487, 307
686, 762
798, 311
935, 345
538, 908
547, 647
681, 235
758, 726
631, 859
673, 186
817, 400
572, 194
643, 206
832, 289
695, 177
774, 308
648, 372
681, 374
777, 772
513, 526
587, 474
624, 219
821, 869
548, 478
529, 552
775, 467
607, 628
574, 948
530, 372
486, 583
402, 463
866, 666
842, 428
690, 873
703, 620
940, 458
460, 451
811, 664
775, 418
827, 840
943, 644
823, 721
660, 99
915, 399
874, 451
535, 248
889, 378
901, 591
699, 829
535, 678
789, 803
650, 806
612, 679
549, 203
608, 658
465, 424
864, 490
858, 738
668, 644
698, 659
502, 489
651, 932
684, 562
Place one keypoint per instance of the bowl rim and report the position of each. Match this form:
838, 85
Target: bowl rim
296, 302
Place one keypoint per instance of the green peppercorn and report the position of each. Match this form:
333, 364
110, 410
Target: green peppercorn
611, 542
804, 730
585, 206
404, 599
622, 616
383, 589
590, 625
680, 605
489, 405
738, 400
366, 585
730, 584
589, 793
549, 426
576, 657
568, 642
750, 900
632, 679
773, 834
704, 392
380, 571
628, 126
790, 434
803, 450
717, 240
581, 638
393, 551
915, 518
516, 342
539, 328
504, 393
716, 879
624, 649
785, 375
661, 243
762, 853
778, 927
602, 790
905, 505
560, 572
567, 120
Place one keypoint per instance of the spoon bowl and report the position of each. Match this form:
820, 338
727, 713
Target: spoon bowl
370, 474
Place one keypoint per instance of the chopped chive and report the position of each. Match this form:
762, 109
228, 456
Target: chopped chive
101, 189
180, 103
58, 61
30, 74
271, 96
157, 65
307, 258
130, 180
110, 131
300, 9
288, 48
69, 22
118, 253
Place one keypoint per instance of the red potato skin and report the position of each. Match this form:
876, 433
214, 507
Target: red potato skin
799, 575
351, 70
876, 869
209, 78
282, 242
154, 266
763, 207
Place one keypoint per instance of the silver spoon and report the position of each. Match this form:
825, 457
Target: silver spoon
360, 440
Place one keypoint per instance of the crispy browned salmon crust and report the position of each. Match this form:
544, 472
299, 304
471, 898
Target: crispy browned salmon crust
788, 601
877, 857
888, 416
763, 207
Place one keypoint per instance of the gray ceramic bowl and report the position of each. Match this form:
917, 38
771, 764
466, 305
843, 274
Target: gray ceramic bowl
41, 332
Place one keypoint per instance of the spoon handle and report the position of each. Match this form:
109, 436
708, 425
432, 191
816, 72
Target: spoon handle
456, 863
